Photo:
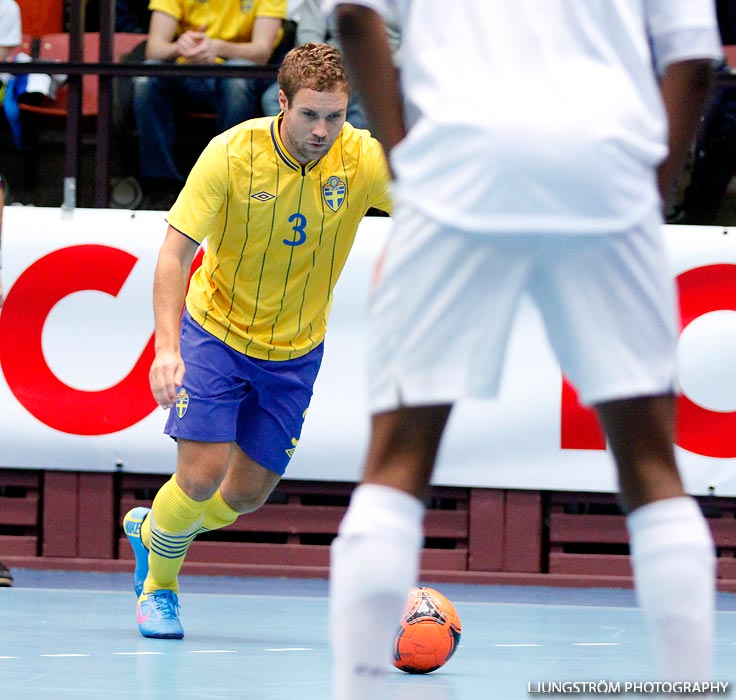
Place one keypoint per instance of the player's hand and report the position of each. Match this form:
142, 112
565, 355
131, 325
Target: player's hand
165, 377
188, 41
199, 49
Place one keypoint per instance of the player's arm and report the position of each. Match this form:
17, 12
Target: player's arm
161, 43
169, 289
365, 46
312, 24
685, 87
261, 44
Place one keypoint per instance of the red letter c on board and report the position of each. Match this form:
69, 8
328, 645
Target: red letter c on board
35, 386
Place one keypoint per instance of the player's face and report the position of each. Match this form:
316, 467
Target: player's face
312, 122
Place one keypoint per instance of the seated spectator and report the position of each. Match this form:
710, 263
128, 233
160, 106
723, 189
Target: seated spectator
312, 26
11, 36
10, 28
714, 163
190, 31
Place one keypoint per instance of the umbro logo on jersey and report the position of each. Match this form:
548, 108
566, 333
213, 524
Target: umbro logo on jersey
263, 196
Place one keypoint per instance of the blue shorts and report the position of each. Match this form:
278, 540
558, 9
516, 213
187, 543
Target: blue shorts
227, 396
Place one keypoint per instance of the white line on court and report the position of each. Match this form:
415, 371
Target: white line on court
511, 645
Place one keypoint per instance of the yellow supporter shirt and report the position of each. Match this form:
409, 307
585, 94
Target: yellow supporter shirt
229, 20
277, 233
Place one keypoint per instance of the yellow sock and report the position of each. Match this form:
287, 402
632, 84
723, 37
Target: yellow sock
218, 514
146, 532
170, 528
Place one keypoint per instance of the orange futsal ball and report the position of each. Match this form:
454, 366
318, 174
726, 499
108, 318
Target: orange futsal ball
429, 632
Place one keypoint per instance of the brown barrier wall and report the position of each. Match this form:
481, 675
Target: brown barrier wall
73, 520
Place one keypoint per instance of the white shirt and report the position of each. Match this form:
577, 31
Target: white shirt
538, 115
10, 27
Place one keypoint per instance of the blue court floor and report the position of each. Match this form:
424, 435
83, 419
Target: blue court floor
67, 635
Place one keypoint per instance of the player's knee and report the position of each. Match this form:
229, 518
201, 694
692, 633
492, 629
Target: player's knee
199, 485
249, 499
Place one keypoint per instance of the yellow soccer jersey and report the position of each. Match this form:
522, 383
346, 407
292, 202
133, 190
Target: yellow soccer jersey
277, 233
229, 20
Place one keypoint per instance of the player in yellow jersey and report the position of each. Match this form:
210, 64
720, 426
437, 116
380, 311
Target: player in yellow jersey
276, 202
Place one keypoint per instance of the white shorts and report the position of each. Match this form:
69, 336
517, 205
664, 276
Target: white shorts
445, 300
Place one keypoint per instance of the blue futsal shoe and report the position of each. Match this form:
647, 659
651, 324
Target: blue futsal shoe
132, 526
158, 615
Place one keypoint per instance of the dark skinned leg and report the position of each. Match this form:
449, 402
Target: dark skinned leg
403, 447
641, 435
671, 548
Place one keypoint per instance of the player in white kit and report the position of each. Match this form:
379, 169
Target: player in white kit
533, 146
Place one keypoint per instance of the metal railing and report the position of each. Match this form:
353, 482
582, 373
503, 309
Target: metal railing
107, 70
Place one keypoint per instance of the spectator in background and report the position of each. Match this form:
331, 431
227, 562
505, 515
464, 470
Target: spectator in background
10, 28
270, 98
715, 151
132, 16
11, 35
313, 25
189, 31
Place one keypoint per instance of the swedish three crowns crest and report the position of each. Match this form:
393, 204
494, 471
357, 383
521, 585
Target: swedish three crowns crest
182, 402
334, 192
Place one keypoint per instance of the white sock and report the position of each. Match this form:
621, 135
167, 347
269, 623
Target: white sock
374, 563
673, 558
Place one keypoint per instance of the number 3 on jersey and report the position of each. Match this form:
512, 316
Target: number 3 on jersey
299, 221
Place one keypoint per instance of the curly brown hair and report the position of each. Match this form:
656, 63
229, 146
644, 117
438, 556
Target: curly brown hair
314, 66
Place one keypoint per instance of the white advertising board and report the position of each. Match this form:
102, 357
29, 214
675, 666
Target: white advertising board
76, 344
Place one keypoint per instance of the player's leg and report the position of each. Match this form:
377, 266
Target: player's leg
213, 485
610, 310
177, 512
176, 518
437, 333
167, 531
375, 558
268, 427
204, 423
245, 488
671, 545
